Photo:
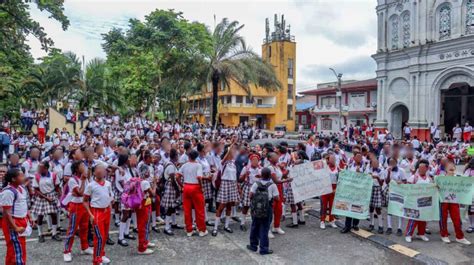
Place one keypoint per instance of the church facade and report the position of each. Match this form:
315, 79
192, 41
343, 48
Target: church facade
425, 65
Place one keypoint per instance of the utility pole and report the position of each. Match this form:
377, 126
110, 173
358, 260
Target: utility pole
339, 95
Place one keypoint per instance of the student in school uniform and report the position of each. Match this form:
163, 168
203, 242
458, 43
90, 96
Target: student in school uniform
376, 199
78, 218
260, 228
327, 200
469, 171
248, 176
123, 174
98, 197
206, 180
297, 214
16, 222
144, 214
191, 173
46, 185
454, 213
421, 176
397, 174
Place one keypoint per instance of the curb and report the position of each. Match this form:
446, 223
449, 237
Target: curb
387, 243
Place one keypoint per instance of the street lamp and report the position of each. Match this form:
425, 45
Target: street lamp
338, 94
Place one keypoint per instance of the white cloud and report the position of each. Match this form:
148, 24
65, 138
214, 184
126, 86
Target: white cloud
328, 33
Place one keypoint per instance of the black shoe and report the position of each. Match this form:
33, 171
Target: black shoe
268, 252
123, 242
380, 231
41, 239
110, 242
356, 228
243, 228
56, 237
212, 209
389, 231
90, 243
345, 230
117, 224
131, 237
168, 232
176, 226
371, 228
214, 232
156, 229
301, 222
228, 230
253, 249
292, 225
399, 232
428, 232
237, 219
60, 229
209, 223
135, 230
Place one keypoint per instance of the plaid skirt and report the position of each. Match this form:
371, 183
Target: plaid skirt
206, 186
245, 194
289, 197
42, 206
117, 195
376, 199
168, 200
385, 196
228, 192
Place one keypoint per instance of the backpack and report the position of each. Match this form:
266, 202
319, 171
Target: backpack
132, 195
260, 203
15, 197
317, 155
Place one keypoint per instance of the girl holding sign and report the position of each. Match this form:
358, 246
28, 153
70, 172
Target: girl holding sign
470, 172
453, 210
376, 199
327, 200
296, 208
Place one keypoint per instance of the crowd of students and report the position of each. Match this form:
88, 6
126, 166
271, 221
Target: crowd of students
139, 174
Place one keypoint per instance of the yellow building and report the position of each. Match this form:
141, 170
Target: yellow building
264, 109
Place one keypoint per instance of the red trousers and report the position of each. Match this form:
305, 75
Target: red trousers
193, 199
453, 210
41, 135
16, 245
411, 226
326, 204
278, 207
101, 231
157, 205
78, 219
143, 226
466, 136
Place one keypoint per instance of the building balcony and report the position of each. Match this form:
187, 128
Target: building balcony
246, 108
334, 108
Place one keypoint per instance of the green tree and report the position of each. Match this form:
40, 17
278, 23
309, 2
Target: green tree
230, 58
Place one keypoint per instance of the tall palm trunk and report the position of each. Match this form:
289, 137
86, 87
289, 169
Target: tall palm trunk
215, 89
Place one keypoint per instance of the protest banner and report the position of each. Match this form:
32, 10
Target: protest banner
414, 201
353, 194
310, 180
455, 189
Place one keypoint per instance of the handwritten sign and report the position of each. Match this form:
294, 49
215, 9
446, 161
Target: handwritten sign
414, 201
310, 180
353, 194
454, 189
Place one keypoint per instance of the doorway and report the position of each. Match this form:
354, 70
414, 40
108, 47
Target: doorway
399, 118
457, 106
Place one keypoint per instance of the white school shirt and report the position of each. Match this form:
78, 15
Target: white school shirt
125, 177
253, 173
190, 171
333, 174
206, 167
229, 171
276, 171
372, 171
75, 183
417, 179
408, 166
31, 167
46, 183
467, 129
272, 189
100, 195
169, 169
398, 175
19, 206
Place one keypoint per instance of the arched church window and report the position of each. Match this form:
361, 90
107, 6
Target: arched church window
470, 17
445, 22
406, 29
394, 32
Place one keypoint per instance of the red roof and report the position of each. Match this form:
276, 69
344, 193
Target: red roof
364, 85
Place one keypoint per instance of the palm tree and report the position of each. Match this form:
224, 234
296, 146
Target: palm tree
230, 58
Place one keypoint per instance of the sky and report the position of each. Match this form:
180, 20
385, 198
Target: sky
329, 33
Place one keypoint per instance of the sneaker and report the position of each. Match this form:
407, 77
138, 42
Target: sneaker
389, 231
408, 239
370, 228
253, 249
87, 251
270, 234
105, 260
268, 252
278, 231
322, 225
445, 240
333, 224
463, 241
203, 234
67, 257
160, 221
424, 238
168, 232
214, 232
470, 230
151, 245
399, 232
146, 252
190, 234
380, 230
345, 230
123, 242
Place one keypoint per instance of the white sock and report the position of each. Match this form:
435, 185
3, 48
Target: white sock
48, 221
167, 222
117, 217
127, 227
400, 222
122, 228
380, 221
153, 218
205, 214
134, 219
54, 229
227, 221
243, 219
301, 215
283, 209
193, 214
234, 211
471, 220
294, 216
389, 221
372, 221
173, 218
216, 222
39, 230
